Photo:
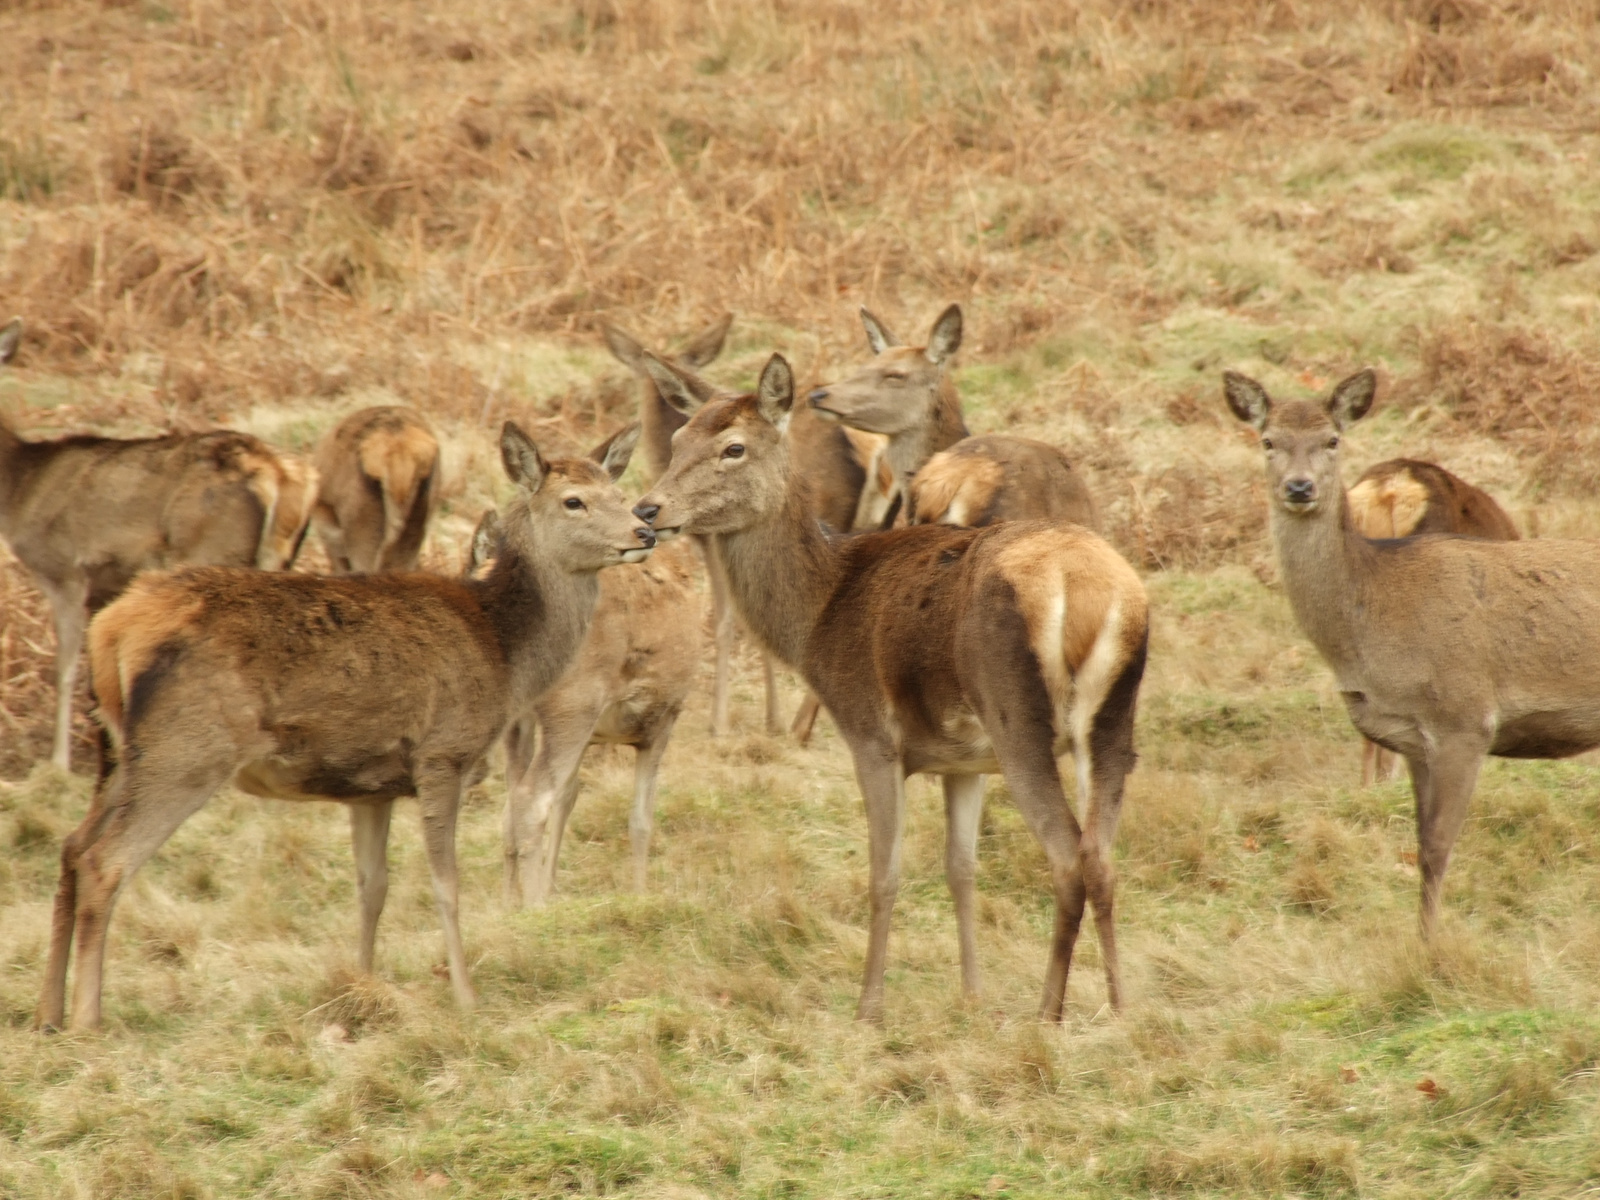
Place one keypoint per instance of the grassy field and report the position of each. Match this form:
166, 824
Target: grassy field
268, 215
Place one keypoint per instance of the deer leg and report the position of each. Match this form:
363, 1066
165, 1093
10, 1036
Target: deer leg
1369, 762
806, 719
774, 716
519, 749
882, 783
556, 829
1443, 777
723, 634
369, 838
963, 812
68, 605
1390, 765
530, 849
64, 915
642, 817
439, 793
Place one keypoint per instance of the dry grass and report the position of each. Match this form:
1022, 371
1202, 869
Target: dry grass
272, 214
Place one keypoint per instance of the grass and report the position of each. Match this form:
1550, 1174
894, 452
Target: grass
270, 215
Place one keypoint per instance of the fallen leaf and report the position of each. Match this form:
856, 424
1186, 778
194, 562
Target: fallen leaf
1409, 857
1251, 844
1430, 1089
441, 970
1348, 1073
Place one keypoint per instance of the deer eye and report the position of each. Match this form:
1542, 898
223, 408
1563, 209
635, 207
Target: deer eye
1266, 443
1333, 443
573, 503
733, 450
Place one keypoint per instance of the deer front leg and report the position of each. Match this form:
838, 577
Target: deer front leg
439, 796
963, 811
723, 630
69, 612
642, 817
882, 783
530, 848
1443, 777
774, 715
369, 838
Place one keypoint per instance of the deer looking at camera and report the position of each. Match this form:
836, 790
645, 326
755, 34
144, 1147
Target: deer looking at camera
626, 687
937, 650
379, 485
837, 465
358, 688
1403, 497
86, 514
1445, 649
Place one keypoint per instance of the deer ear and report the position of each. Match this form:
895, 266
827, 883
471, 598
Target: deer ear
613, 453
775, 392
707, 343
10, 339
624, 347
1352, 397
878, 335
485, 539
1247, 398
524, 465
678, 386
945, 339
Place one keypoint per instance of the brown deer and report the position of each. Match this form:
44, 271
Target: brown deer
937, 650
1403, 497
944, 475
1445, 649
85, 514
825, 452
626, 687
379, 470
358, 688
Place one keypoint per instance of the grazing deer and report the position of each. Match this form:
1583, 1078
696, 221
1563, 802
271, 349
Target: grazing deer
1445, 649
626, 687
832, 459
1403, 497
85, 514
937, 650
944, 475
379, 470
358, 688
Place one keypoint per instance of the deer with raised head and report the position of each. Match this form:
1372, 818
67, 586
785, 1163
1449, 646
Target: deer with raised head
354, 688
626, 687
85, 514
944, 475
1403, 497
379, 485
937, 650
838, 467
1445, 649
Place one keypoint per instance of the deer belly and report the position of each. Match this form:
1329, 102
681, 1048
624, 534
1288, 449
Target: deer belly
1557, 734
372, 777
961, 746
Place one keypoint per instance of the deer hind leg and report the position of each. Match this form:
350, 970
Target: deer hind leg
1443, 777
439, 795
642, 817
1111, 758
530, 856
1369, 762
64, 915
369, 838
805, 720
963, 811
68, 605
882, 783
774, 705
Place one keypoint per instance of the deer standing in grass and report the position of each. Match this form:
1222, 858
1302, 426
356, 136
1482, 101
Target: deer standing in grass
835, 463
937, 650
1403, 497
378, 486
626, 687
359, 689
1445, 649
85, 514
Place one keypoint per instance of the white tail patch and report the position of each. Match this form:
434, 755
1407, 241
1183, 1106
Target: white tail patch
1090, 688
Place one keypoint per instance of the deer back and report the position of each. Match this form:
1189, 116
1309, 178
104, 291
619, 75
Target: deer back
378, 486
1403, 497
995, 477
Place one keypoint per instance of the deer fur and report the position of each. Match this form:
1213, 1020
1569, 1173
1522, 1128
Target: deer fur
626, 687
995, 477
85, 514
1445, 648
359, 689
937, 650
379, 470
1403, 497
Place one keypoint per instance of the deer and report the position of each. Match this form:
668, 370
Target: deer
84, 514
354, 688
943, 474
1403, 497
379, 472
838, 464
1445, 649
626, 687
937, 650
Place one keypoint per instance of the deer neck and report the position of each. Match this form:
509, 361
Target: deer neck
781, 572
909, 450
1325, 563
540, 615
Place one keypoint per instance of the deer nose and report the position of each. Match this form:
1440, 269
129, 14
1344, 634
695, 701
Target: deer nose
819, 395
647, 512
647, 536
1299, 490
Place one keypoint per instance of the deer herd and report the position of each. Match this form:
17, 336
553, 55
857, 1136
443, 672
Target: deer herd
946, 597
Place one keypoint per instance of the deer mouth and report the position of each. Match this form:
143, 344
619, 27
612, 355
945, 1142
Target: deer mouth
637, 554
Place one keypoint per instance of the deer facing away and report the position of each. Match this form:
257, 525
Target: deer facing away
85, 514
626, 687
1445, 649
937, 650
378, 486
1403, 497
359, 689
